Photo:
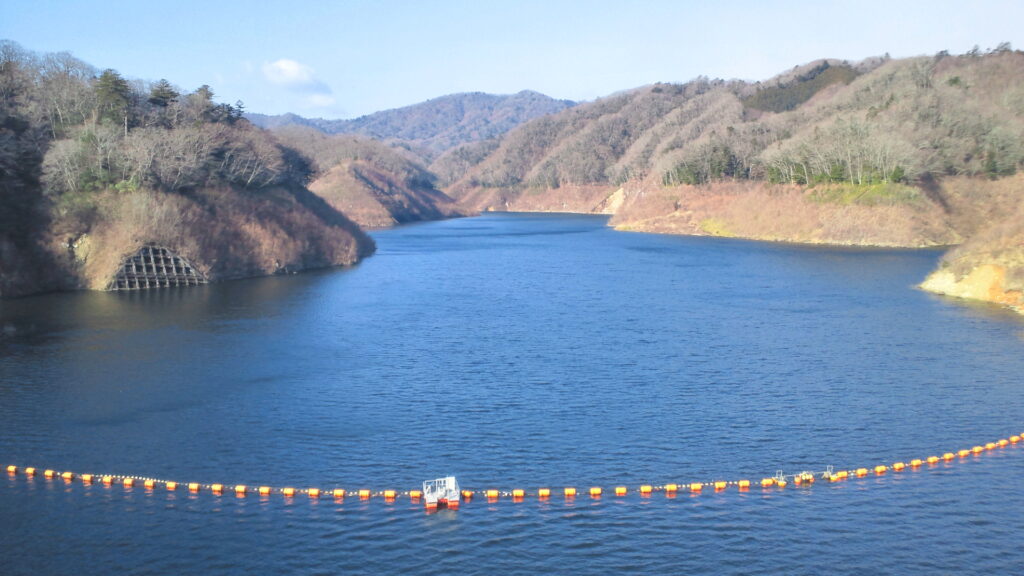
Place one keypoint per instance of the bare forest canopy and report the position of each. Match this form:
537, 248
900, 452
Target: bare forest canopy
374, 184
93, 164
429, 128
88, 154
874, 122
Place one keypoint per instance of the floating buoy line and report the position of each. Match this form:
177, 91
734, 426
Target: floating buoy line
775, 482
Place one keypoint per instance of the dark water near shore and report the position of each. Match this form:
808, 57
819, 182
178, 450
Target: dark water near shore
519, 351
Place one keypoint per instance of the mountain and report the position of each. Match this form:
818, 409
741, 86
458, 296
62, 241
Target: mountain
370, 182
436, 125
885, 152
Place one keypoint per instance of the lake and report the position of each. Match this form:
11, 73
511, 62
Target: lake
520, 351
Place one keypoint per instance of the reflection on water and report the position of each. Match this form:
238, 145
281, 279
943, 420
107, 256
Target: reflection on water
518, 351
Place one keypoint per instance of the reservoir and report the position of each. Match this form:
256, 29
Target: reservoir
520, 351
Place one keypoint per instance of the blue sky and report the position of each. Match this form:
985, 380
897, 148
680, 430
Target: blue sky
336, 59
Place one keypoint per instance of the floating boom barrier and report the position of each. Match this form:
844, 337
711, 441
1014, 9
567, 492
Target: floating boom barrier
775, 482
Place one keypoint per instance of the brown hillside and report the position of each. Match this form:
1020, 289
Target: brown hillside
375, 198
372, 183
226, 233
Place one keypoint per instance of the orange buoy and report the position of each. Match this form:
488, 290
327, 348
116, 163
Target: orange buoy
492, 493
240, 489
263, 490
12, 469
217, 488
948, 456
108, 480
595, 492
766, 482
390, 494
544, 493
646, 489
1014, 439
834, 478
415, 494
193, 487
1003, 443
570, 492
87, 478
671, 487
518, 493
696, 487
964, 453
128, 482
171, 486
364, 493
467, 494
933, 459
897, 466
978, 449
798, 480
744, 484
720, 485
990, 446
68, 476
338, 492
48, 473
149, 484
843, 474
288, 492
30, 471
620, 490
781, 483
862, 472
313, 492
881, 469
916, 462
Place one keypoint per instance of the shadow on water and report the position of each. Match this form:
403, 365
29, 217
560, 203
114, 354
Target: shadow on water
39, 320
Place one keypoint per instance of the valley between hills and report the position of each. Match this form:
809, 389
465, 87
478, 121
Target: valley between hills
915, 152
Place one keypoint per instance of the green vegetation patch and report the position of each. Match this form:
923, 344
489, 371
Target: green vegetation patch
715, 227
795, 93
878, 194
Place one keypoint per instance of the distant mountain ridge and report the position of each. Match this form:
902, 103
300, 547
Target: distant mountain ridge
438, 124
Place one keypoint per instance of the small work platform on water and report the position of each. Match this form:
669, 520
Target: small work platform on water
442, 492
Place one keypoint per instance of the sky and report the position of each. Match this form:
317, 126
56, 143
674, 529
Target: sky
344, 59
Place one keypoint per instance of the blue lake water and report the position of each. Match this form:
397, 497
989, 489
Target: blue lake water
520, 351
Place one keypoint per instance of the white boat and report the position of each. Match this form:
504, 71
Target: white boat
442, 492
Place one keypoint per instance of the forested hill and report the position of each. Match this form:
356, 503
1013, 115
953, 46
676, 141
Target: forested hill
95, 167
436, 125
829, 122
374, 184
889, 152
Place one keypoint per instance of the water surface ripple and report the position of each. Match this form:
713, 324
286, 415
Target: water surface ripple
519, 351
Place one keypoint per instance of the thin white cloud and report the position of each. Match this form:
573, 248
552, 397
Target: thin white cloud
295, 76
320, 100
